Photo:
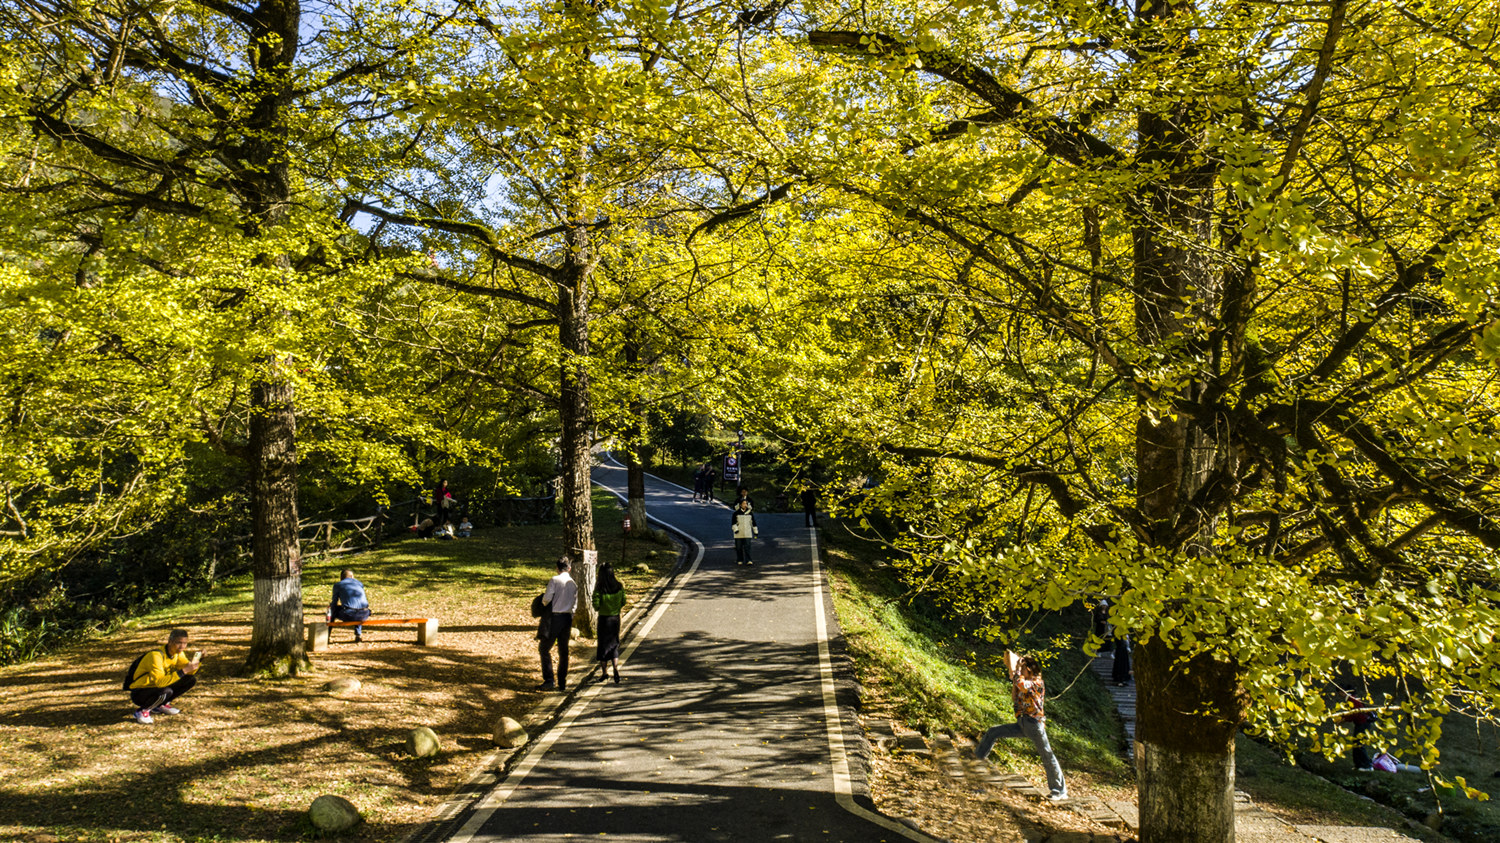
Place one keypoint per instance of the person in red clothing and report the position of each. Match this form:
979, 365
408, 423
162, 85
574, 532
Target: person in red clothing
1360, 721
1028, 695
162, 675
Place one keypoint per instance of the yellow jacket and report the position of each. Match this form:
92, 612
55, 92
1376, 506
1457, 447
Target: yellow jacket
158, 670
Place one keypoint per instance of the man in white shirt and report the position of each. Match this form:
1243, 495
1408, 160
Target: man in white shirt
561, 598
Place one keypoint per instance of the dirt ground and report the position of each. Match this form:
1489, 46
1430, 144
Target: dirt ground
246, 757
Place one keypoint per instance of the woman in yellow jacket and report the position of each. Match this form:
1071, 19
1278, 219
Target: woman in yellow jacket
161, 676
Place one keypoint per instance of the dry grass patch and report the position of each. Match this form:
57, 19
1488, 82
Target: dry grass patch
246, 758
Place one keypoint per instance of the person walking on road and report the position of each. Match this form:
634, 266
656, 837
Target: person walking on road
809, 506
700, 479
1028, 695
710, 477
609, 599
561, 598
742, 524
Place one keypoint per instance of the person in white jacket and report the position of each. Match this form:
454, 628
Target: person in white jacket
742, 522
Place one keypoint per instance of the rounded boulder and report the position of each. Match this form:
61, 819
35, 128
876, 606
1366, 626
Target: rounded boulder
334, 813
423, 743
342, 685
510, 733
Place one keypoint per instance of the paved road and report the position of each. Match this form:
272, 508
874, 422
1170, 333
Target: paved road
725, 727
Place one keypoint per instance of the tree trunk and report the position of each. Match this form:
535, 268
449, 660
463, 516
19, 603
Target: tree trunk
576, 410
635, 494
1187, 716
635, 472
1188, 708
276, 639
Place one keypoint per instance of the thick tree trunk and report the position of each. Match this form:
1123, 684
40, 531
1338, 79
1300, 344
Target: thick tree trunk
1187, 715
635, 491
576, 410
1188, 708
276, 638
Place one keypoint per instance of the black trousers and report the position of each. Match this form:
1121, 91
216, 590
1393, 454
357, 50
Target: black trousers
149, 698
560, 630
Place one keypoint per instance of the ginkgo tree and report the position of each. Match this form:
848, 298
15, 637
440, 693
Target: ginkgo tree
1190, 305
189, 153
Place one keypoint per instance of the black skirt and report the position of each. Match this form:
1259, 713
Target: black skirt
609, 637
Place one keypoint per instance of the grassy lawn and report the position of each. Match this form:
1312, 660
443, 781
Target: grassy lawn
919, 669
246, 757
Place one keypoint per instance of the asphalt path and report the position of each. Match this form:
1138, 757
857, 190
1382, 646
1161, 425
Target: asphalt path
727, 725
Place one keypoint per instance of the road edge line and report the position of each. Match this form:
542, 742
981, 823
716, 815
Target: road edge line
491, 802
843, 781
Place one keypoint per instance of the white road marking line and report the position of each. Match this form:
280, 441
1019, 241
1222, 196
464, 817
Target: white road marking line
492, 801
843, 782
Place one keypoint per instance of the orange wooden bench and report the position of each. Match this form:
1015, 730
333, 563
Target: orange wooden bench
317, 631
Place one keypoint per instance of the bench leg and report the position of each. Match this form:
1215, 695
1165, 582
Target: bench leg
317, 637
427, 633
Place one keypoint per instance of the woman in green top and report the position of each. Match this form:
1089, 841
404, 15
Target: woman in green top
609, 598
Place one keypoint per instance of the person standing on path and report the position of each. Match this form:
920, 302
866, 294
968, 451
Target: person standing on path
710, 477
609, 599
742, 524
561, 597
700, 478
809, 506
160, 676
1028, 695
443, 502
349, 603
1120, 673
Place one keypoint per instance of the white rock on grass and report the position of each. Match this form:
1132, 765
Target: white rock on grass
334, 813
510, 733
342, 685
423, 742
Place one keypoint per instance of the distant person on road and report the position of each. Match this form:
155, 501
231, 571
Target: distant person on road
742, 524
1028, 695
161, 676
609, 599
743, 494
710, 477
561, 598
700, 480
349, 603
809, 506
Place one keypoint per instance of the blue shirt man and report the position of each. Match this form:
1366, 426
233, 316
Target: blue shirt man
349, 602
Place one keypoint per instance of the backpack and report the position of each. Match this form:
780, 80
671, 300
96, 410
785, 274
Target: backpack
134, 666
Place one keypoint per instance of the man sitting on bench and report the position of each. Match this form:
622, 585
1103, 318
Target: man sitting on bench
349, 603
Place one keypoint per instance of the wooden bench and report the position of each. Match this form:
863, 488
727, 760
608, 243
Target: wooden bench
317, 631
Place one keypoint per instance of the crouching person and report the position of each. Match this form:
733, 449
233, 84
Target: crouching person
161, 676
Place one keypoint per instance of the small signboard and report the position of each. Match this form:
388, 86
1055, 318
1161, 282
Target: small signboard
732, 467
